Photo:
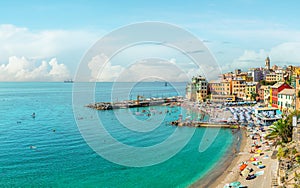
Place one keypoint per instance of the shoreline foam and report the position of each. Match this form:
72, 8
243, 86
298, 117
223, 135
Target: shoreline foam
230, 159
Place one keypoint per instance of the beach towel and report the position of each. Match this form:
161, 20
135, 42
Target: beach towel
259, 173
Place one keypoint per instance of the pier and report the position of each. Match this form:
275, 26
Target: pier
205, 124
139, 102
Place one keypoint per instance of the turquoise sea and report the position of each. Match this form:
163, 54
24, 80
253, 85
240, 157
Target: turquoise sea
49, 151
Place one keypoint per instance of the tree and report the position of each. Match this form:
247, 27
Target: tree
281, 131
253, 95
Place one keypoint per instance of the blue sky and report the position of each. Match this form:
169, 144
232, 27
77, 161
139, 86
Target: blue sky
237, 32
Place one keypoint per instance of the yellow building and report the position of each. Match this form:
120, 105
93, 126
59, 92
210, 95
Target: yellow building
220, 87
221, 91
242, 76
251, 89
238, 88
297, 93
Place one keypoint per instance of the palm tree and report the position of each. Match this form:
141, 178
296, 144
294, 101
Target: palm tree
281, 131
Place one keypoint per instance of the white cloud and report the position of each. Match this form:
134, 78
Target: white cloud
20, 41
282, 54
149, 69
24, 69
156, 69
102, 69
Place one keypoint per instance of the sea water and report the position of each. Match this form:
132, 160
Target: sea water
49, 151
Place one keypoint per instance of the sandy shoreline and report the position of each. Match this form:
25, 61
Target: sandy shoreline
229, 161
258, 162
227, 170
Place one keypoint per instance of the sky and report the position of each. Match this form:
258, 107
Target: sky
47, 40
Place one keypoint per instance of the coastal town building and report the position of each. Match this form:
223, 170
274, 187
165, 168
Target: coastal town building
264, 94
227, 76
294, 75
297, 93
256, 74
279, 75
251, 90
271, 77
238, 88
286, 102
220, 87
197, 90
221, 91
274, 90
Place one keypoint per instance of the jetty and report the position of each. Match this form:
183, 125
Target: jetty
210, 124
139, 102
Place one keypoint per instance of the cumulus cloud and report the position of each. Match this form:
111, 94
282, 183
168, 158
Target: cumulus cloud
102, 69
24, 69
282, 54
150, 69
20, 41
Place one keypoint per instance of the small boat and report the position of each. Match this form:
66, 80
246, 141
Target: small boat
68, 81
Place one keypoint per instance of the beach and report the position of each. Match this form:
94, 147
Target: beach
228, 169
249, 143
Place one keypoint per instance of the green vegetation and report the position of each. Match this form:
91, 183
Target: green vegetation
282, 152
297, 159
282, 130
253, 95
265, 83
289, 81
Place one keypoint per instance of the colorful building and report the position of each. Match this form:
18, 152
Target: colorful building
264, 93
275, 89
197, 90
251, 89
221, 91
271, 77
238, 88
286, 100
297, 93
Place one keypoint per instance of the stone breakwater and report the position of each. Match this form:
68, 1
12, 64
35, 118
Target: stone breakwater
168, 101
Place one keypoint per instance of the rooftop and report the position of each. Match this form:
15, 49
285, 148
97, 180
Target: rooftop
264, 87
287, 92
277, 85
214, 82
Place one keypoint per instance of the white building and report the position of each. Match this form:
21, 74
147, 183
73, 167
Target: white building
286, 100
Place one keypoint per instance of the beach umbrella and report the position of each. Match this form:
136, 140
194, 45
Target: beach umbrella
243, 166
235, 184
258, 151
252, 159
